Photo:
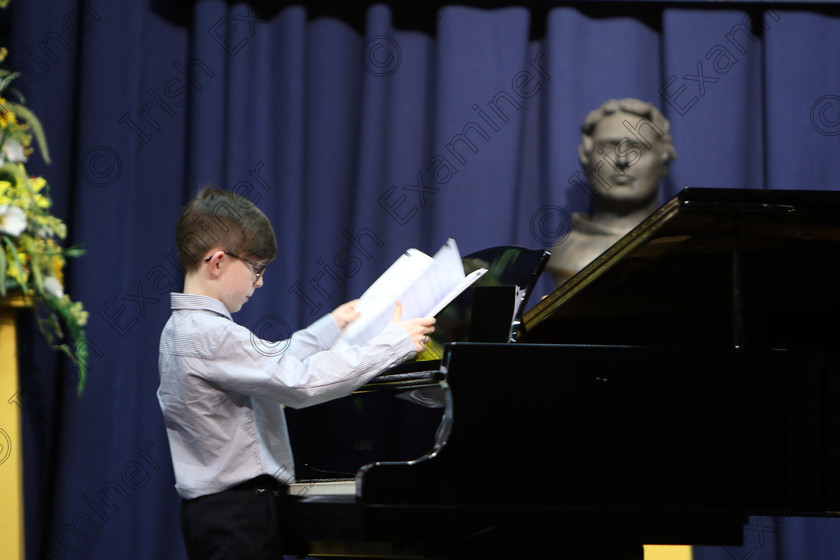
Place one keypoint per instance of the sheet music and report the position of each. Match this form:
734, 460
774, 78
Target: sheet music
422, 283
462, 285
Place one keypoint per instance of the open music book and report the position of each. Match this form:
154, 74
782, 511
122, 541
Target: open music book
424, 285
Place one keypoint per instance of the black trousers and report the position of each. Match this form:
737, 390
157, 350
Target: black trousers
241, 523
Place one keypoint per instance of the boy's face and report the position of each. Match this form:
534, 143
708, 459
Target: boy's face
237, 282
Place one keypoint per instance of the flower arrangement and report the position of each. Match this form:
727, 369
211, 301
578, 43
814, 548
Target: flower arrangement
31, 258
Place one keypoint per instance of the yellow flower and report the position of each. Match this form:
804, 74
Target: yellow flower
6, 191
57, 268
38, 183
6, 117
13, 271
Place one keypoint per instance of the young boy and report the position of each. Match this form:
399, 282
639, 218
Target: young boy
222, 398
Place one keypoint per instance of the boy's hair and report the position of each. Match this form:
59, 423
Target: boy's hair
217, 218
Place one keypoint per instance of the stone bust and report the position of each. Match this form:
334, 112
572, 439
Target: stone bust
625, 151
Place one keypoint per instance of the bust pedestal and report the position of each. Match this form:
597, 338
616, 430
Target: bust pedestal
11, 453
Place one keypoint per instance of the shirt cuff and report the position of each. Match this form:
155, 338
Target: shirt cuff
397, 338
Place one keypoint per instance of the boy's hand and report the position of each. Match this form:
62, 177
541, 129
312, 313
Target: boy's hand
345, 314
418, 329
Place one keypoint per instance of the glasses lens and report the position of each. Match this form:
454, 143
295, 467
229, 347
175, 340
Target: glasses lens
259, 268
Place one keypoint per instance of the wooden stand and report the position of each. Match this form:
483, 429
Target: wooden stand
667, 552
11, 453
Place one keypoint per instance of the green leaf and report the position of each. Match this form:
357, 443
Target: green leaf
74, 251
18, 175
23, 179
16, 258
10, 91
8, 77
37, 277
37, 129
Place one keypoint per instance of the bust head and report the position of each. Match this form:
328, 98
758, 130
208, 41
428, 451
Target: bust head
625, 150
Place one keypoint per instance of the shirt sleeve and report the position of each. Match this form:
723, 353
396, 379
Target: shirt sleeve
305, 371
318, 336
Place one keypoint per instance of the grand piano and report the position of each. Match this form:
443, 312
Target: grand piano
686, 379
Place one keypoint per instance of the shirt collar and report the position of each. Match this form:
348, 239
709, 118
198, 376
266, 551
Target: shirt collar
197, 302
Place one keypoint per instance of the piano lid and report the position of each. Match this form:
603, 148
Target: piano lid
719, 267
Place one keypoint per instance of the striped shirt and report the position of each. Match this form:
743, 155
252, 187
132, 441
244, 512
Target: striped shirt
222, 390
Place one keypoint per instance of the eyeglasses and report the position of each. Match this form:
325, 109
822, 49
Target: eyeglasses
259, 268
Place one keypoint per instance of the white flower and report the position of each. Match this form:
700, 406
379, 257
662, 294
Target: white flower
43, 232
53, 287
12, 220
12, 151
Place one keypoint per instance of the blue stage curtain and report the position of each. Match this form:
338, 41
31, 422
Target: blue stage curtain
360, 131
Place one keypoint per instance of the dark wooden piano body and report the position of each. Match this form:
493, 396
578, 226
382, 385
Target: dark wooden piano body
684, 380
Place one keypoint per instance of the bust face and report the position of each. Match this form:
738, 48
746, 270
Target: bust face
627, 160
